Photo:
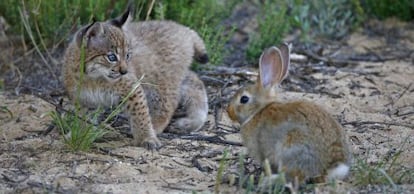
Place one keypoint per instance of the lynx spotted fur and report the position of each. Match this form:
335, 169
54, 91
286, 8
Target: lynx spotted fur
118, 52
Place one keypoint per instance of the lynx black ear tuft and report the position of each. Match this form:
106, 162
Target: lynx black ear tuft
120, 21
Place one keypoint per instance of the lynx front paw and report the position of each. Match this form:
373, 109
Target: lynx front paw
150, 143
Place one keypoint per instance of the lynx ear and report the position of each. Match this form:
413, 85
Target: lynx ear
121, 20
81, 34
92, 35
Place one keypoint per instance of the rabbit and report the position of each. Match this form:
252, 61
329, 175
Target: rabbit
299, 138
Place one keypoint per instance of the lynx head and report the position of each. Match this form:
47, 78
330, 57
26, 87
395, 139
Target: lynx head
105, 48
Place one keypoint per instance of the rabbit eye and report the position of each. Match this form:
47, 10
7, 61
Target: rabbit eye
112, 57
244, 99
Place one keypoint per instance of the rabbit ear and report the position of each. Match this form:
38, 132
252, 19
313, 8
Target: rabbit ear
285, 51
271, 67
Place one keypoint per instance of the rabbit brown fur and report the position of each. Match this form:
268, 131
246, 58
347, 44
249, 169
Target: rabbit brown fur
118, 52
300, 138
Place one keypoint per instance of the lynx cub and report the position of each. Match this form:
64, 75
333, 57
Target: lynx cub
117, 52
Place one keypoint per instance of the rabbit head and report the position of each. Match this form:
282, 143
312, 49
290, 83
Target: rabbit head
273, 68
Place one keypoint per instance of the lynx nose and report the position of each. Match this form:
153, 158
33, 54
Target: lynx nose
120, 69
123, 68
123, 71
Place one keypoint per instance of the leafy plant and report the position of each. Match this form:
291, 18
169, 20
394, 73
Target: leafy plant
54, 21
403, 9
49, 23
273, 24
333, 19
195, 14
202, 16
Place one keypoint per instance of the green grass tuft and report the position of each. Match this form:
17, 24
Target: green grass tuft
78, 135
220, 171
388, 171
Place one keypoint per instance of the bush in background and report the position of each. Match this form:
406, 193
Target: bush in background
403, 9
205, 17
272, 25
52, 22
325, 18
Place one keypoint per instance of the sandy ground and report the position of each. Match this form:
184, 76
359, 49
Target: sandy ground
374, 101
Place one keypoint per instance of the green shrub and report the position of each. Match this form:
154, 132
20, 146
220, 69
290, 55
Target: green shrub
202, 16
53, 21
273, 24
325, 18
196, 14
403, 9
50, 22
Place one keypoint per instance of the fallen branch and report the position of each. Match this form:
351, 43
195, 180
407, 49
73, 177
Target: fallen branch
328, 59
211, 139
229, 71
400, 95
359, 123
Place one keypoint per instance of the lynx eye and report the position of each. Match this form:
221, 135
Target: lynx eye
112, 57
128, 56
244, 99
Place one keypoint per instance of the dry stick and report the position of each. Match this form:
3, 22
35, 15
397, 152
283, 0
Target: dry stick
210, 139
43, 42
222, 71
150, 9
206, 78
377, 123
405, 114
217, 113
20, 77
389, 58
29, 32
401, 94
24, 55
108, 152
328, 59
10, 179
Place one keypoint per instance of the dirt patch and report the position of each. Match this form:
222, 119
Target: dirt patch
371, 94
